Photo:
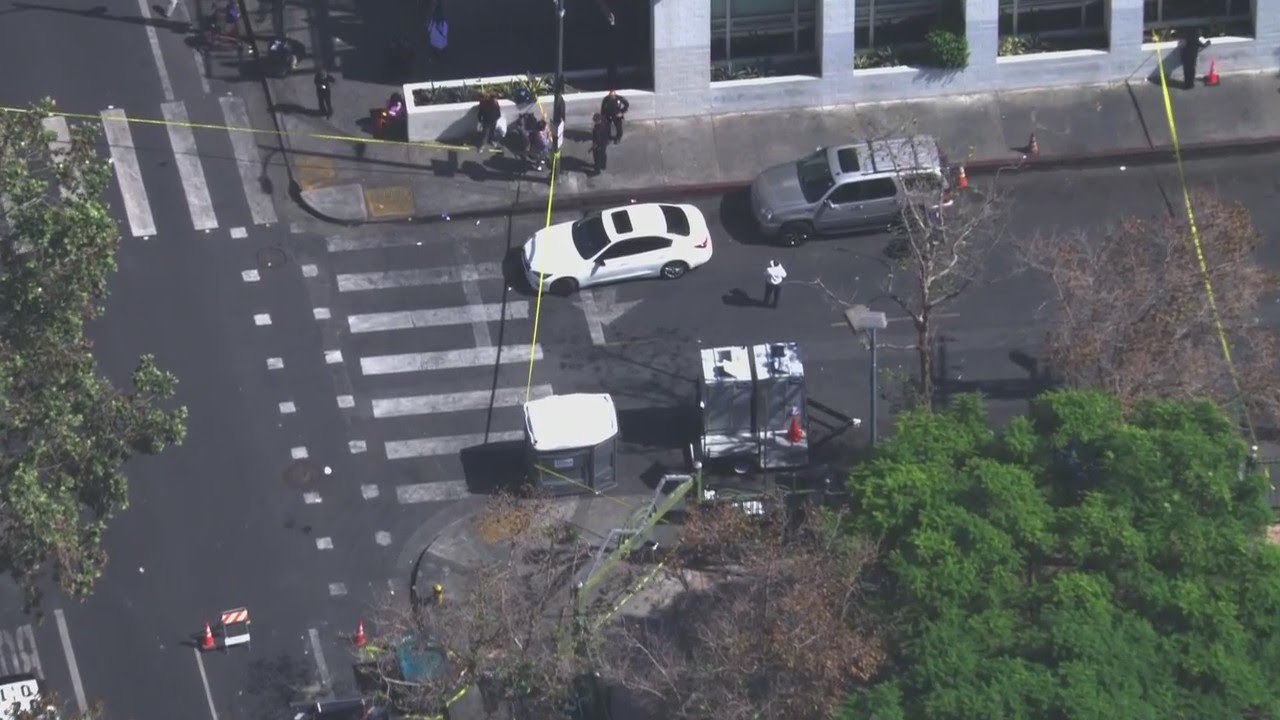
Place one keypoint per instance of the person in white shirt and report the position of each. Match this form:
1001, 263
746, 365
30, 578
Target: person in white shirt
773, 277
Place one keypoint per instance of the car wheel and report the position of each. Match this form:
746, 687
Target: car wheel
673, 270
795, 234
564, 287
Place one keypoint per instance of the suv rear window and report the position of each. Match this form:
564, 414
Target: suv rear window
621, 222
677, 220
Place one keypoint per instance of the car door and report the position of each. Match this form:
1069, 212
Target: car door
840, 209
619, 261
881, 203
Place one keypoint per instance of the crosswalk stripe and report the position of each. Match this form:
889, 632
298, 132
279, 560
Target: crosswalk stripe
408, 238
455, 402
57, 125
386, 280
432, 492
449, 445
128, 174
248, 160
408, 319
446, 359
187, 156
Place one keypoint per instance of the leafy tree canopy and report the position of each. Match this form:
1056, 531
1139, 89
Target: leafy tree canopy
66, 431
1085, 562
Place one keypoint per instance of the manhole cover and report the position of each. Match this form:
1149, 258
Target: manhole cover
272, 257
301, 474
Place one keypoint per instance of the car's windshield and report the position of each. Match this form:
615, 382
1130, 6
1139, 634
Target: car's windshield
815, 176
589, 237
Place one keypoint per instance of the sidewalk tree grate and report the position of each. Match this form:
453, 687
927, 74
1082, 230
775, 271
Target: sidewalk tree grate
389, 202
301, 474
314, 172
271, 257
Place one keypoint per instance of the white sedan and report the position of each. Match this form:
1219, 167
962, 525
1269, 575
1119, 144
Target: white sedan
634, 241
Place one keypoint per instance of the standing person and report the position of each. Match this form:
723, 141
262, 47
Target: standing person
438, 31
773, 277
614, 107
599, 143
611, 43
490, 112
323, 82
1192, 43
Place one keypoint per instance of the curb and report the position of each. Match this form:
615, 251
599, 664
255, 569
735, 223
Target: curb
992, 166
409, 560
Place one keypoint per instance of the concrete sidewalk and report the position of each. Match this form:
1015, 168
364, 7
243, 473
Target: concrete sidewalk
337, 174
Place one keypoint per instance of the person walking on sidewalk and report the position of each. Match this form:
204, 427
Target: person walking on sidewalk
599, 143
1192, 43
438, 31
614, 107
773, 277
490, 112
323, 83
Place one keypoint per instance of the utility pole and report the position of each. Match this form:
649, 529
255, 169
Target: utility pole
559, 81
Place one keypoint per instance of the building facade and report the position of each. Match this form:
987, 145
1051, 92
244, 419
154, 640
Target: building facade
726, 56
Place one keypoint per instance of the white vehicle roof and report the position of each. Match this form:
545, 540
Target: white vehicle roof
566, 422
647, 219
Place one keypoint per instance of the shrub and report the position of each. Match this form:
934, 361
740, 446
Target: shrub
948, 49
876, 58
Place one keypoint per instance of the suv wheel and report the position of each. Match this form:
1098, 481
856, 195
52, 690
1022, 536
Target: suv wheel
794, 234
564, 287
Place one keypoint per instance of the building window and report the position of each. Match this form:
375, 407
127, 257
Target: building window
892, 23
1052, 25
751, 38
1213, 17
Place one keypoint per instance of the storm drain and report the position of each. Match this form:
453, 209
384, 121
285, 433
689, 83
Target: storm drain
271, 257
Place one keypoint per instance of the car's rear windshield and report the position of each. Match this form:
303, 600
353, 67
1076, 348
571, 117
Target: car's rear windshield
677, 220
815, 176
589, 237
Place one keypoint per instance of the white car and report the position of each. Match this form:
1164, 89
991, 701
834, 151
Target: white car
634, 241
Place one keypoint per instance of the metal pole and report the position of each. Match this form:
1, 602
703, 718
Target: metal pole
559, 81
874, 387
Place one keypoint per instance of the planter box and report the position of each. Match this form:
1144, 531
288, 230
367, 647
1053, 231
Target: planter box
456, 122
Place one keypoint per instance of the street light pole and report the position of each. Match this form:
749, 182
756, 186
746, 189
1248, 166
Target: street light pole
860, 318
559, 81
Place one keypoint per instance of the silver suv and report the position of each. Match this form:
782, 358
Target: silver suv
849, 187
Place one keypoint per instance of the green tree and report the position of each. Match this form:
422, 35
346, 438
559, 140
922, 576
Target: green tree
1087, 561
67, 432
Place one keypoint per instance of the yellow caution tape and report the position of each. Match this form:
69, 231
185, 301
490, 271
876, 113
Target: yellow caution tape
1204, 265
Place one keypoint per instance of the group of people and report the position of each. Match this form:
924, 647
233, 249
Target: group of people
534, 137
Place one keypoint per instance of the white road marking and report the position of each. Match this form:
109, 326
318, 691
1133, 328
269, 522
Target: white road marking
154, 41
450, 445
321, 313
455, 402
310, 270
262, 319
312, 498
478, 315
346, 401
250, 275
275, 363
57, 125
375, 242
298, 453
337, 589
432, 492
443, 359
324, 543
239, 233
382, 537
357, 446
137, 207
248, 161
288, 408
72, 666
333, 357
369, 492
208, 694
471, 290
601, 308
321, 665
204, 81
356, 282
191, 171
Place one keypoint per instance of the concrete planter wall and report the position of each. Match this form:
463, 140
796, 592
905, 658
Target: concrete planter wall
456, 122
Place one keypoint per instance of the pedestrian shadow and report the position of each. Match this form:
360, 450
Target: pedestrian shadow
739, 298
293, 109
579, 136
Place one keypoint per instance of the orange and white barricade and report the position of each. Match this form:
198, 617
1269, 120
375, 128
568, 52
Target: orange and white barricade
235, 627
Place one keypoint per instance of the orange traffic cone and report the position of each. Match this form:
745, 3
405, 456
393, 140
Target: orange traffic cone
207, 643
962, 182
1212, 78
1033, 147
360, 636
795, 434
